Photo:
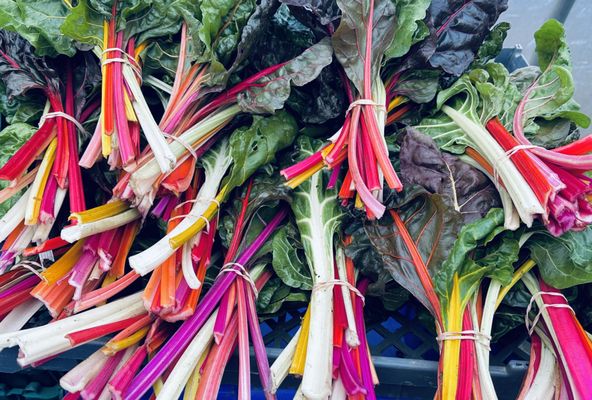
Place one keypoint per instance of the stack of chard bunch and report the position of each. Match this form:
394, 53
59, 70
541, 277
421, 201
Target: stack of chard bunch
417, 48
42, 185
496, 117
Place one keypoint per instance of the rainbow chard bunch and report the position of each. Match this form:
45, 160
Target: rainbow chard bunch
119, 31
417, 41
329, 352
70, 96
194, 120
195, 335
510, 125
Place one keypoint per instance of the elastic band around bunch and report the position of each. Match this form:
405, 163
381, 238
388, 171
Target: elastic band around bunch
339, 282
530, 326
508, 156
207, 221
241, 272
365, 102
182, 143
28, 265
59, 114
133, 64
479, 337
195, 201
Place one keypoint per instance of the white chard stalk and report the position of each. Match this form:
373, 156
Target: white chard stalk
318, 217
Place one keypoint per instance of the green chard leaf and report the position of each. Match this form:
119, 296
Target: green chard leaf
563, 261
492, 45
288, 261
317, 213
476, 255
39, 22
409, 26
254, 146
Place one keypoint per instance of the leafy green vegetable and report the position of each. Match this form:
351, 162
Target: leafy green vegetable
463, 188
563, 261
460, 28
254, 146
409, 26
20, 109
39, 22
275, 88
419, 85
288, 262
471, 262
432, 225
349, 39
493, 44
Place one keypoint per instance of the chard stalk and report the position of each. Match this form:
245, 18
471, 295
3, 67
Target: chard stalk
19, 316
186, 332
281, 366
13, 217
522, 195
351, 333
79, 231
159, 146
177, 379
79, 376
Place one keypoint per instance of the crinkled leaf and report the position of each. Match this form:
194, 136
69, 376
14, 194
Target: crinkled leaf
493, 44
419, 85
275, 87
470, 263
256, 145
461, 26
349, 40
11, 139
288, 261
563, 261
409, 26
325, 11
433, 227
21, 70
464, 188
39, 22
550, 95
21, 109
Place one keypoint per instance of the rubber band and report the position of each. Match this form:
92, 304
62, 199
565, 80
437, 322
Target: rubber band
59, 114
133, 63
339, 282
195, 201
531, 325
479, 337
365, 102
207, 221
242, 272
508, 156
182, 143
28, 265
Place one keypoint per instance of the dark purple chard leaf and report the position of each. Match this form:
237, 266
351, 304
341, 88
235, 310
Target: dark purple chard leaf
21, 70
87, 80
274, 89
462, 187
252, 31
433, 226
325, 12
460, 27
